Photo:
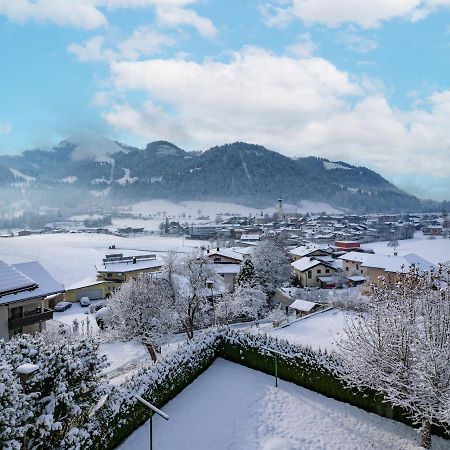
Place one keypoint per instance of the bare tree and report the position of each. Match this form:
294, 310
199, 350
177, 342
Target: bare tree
401, 347
394, 244
187, 277
143, 311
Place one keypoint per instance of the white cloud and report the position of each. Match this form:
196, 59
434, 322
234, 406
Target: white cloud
79, 14
304, 46
5, 127
175, 16
297, 106
144, 41
367, 14
356, 42
91, 14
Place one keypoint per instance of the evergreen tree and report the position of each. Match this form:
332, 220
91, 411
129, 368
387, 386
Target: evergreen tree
247, 274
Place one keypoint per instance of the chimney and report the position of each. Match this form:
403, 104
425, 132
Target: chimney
218, 249
207, 251
134, 259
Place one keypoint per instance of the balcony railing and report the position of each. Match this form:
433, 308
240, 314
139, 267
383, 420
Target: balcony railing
30, 318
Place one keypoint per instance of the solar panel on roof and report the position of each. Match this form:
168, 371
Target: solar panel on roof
12, 280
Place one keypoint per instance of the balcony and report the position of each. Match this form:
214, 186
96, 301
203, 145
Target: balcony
30, 318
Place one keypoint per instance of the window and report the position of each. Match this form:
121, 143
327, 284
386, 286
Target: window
327, 270
319, 271
217, 259
309, 274
346, 269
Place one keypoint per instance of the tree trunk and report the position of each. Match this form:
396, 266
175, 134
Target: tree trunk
152, 352
426, 434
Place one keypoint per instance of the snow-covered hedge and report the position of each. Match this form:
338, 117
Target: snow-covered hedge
121, 413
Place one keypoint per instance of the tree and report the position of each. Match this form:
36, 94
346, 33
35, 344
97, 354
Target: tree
248, 301
247, 274
393, 243
59, 397
277, 315
271, 265
142, 310
187, 277
401, 347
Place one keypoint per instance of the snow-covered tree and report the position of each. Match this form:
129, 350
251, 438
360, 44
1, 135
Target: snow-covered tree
393, 243
247, 273
277, 315
187, 277
142, 310
271, 265
14, 407
401, 347
246, 301
60, 396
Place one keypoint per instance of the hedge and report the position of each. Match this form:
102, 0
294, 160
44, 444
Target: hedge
314, 370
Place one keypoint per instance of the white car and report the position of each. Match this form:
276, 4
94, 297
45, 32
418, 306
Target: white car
62, 306
84, 301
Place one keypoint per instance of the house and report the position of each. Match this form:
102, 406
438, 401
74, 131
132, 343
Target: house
374, 266
118, 268
308, 271
24, 292
90, 287
309, 250
227, 263
303, 307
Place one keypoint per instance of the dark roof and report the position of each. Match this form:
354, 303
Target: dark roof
13, 281
46, 284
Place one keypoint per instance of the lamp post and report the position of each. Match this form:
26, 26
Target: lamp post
153, 409
210, 285
276, 353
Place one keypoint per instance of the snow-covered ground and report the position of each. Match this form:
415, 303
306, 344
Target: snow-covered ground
71, 257
322, 330
233, 407
435, 250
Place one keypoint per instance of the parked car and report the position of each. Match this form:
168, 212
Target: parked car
84, 301
62, 306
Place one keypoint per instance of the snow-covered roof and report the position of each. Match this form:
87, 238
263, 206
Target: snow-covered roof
389, 263
305, 250
356, 278
227, 268
47, 285
226, 253
307, 263
302, 305
354, 257
402, 264
85, 282
11, 280
144, 264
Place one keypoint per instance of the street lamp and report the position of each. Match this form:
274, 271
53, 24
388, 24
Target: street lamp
152, 409
210, 285
276, 354
26, 372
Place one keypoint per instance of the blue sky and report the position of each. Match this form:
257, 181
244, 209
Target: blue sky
366, 83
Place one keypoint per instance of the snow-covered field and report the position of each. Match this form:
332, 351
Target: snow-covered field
435, 250
71, 257
211, 209
233, 407
320, 331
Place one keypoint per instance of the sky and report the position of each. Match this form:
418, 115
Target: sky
349, 80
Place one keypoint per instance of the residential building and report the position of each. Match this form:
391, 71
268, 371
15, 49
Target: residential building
24, 303
118, 268
309, 271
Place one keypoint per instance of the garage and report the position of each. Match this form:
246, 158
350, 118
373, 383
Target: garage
92, 293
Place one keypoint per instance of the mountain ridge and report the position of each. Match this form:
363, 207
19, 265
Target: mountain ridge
245, 173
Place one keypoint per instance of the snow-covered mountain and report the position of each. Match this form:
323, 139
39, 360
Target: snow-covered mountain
239, 172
